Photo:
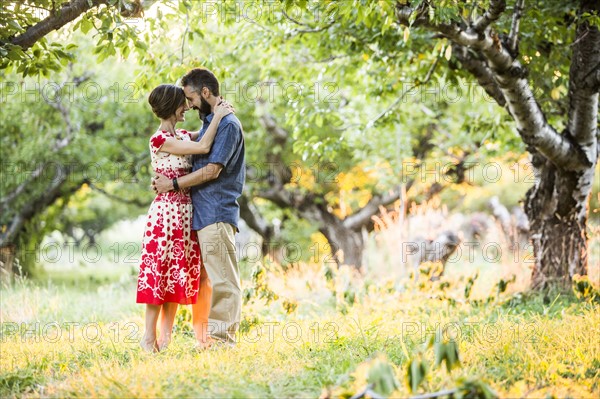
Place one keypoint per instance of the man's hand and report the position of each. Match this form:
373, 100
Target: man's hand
162, 184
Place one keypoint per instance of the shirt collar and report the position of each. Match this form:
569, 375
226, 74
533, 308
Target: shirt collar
208, 118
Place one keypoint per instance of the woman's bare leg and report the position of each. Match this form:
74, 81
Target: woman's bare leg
167, 319
148, 342
201, 309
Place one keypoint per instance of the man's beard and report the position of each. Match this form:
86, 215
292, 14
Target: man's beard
204, 109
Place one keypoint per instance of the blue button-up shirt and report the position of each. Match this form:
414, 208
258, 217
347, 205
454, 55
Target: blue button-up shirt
216, 200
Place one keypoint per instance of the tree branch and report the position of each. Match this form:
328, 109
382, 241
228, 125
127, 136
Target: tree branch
481, 72
54, 21
363, 217
513, 36
58, 145
279, 134
185, 33
496, 9
509, 74
21, 188
69, 12
310, 29
35, 204
279, 172
134, 201
584, 76
286, 15
253, 218
404, 14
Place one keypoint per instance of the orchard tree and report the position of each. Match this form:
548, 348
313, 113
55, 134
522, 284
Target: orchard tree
487, 44
64, 142
538, 60
26, 23
81, 128
302, 132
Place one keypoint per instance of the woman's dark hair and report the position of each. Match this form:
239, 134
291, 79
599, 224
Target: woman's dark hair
199, 78
165, 99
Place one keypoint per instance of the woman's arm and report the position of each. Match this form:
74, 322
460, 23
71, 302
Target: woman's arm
180, 147
194, 135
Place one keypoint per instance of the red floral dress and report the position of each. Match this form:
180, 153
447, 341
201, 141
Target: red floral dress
171, 261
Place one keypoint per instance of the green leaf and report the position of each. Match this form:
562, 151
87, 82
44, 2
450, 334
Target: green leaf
416, 372
141, 45
14, 24
86, 25
125, 51
319, 120
447, 352
183, 7
382, 376
15, 53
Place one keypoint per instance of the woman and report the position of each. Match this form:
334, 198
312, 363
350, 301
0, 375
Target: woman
171, 270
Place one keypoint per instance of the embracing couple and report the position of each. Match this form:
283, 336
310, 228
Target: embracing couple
188, 249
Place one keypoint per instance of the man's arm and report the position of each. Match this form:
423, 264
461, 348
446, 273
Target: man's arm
223, 148
162, 184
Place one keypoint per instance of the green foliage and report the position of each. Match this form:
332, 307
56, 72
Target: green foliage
248, 322
584, 290
502, 285
260, 288
19, 381
415, 373
88, 213
343, 78
446, 352
289, 306
469, 285
473, 389
108, 22
86, 127
382, 376
183, 322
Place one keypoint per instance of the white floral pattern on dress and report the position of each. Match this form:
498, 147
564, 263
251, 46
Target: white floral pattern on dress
171, 260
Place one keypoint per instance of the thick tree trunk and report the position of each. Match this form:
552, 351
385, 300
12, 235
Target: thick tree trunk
557, 205
557, 208
565, 162
347, 245
7, 258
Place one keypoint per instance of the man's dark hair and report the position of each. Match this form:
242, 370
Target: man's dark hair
165, 99
199, 78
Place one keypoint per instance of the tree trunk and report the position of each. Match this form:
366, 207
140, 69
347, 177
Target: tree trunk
347, 245
557, 208
557, 205
7, 257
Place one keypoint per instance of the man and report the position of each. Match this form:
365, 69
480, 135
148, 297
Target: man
216, 183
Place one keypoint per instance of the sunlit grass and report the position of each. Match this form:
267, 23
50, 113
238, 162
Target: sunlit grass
525, 343
74, 331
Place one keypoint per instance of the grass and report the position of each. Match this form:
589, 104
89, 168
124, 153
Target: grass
307, 331
520, 344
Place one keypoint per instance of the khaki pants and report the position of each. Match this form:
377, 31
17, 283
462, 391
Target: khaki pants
217, 242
